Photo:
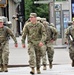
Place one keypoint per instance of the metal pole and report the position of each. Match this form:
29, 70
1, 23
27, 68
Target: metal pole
51, 12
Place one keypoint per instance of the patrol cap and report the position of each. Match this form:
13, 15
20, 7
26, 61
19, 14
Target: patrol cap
33, 15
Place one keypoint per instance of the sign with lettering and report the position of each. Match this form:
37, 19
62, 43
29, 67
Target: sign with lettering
3, 3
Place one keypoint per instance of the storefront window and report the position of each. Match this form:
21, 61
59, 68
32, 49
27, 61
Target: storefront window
66, 18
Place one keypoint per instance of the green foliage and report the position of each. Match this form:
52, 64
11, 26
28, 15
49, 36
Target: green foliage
41, 9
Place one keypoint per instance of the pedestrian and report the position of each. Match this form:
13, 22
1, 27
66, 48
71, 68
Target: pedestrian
36, 36
4, 45
70, 41
52, 34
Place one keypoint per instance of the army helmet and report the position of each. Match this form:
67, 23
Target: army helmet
1, 20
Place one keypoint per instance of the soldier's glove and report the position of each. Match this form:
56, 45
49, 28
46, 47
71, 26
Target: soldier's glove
23, 45
16, 45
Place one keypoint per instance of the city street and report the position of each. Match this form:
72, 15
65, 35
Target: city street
18, 60
15, 13
64, 69
19, 56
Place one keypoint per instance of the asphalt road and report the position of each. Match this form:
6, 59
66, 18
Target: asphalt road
19, 56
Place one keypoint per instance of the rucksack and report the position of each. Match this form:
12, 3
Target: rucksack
53, 33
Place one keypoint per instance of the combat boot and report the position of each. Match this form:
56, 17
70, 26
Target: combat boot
38, 71
32, 71
72, 63
5, 68
44, 67
2, 69
50, 64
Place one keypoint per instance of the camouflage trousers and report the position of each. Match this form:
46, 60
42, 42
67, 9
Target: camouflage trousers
4, 53
43, 49
71, 51
49, 52
35, 54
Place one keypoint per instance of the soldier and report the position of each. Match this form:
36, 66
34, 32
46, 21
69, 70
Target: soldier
51, 37
4, 45
35, 32
45, 24
70, 40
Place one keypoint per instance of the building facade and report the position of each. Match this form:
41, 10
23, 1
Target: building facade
11, 11
63, 14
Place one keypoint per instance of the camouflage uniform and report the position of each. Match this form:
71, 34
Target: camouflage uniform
70, 32
51, 35
35, 34
4, 45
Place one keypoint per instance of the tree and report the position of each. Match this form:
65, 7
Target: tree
40, 9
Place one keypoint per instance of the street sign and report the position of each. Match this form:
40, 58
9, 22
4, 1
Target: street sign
3, 3
43, 2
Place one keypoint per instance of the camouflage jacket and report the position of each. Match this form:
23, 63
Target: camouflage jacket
5, 32
69, 31
35, 33
52, 33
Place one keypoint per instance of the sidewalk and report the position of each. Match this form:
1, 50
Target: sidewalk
65, 69
19, 57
